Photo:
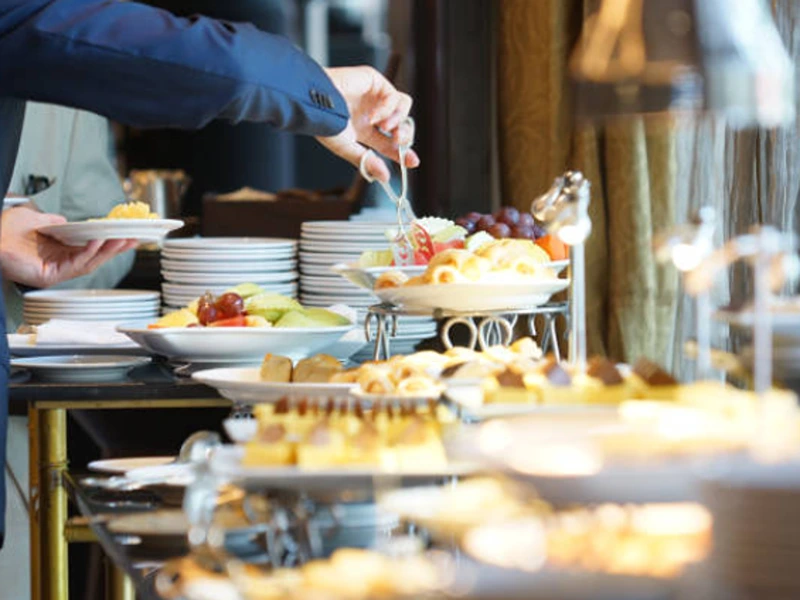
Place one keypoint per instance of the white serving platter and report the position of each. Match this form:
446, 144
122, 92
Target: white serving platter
244, 385
226, 345
469, 297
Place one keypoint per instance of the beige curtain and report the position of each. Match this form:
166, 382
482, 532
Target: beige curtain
645, 175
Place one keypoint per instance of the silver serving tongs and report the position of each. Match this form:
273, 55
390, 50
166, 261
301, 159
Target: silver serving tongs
402, 246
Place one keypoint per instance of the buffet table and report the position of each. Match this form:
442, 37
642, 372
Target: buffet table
150, 387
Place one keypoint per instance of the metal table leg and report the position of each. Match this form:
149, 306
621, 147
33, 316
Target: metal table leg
118, 585
33, 501
53, 564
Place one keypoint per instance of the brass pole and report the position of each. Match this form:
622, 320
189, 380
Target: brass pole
54, 566
118, 585
33, 500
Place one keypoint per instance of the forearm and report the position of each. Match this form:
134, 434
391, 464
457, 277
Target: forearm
143, 66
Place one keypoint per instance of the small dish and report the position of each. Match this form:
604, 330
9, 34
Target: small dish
83, 232
80, 368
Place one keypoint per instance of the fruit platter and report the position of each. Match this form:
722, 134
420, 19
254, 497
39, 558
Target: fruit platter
240, 326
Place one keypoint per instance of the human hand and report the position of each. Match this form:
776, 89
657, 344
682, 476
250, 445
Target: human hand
30, 258
375, 105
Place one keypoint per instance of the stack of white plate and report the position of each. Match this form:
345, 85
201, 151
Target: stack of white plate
756, 534
90, 305
327, 243
193, 266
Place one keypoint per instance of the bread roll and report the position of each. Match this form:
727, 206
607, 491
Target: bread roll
276, 369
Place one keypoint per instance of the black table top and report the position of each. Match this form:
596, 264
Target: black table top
149, 382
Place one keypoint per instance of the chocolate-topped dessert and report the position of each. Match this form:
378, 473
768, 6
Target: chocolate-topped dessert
652, 373
606, 371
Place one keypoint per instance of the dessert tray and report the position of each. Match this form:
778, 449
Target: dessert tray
365, 277
226, 463
81, 233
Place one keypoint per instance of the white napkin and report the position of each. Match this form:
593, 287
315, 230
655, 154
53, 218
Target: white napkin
63, 332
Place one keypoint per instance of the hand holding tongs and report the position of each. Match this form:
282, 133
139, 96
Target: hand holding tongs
402, 246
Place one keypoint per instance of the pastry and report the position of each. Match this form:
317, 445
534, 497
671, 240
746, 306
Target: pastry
652, 382
276, 369
271, 447
390, 279
317, 369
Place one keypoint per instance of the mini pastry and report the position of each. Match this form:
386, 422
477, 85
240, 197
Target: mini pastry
276, 369
317, 369
270, 448
508, 387
652, 382
390, 279
323, 447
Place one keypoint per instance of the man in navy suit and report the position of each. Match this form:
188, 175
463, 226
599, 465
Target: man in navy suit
145, 67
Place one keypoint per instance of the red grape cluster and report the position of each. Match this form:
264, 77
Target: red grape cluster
227, 306
507, 222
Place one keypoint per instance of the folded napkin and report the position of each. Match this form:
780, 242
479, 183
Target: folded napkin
63, 332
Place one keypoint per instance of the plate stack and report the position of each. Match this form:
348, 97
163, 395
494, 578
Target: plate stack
90, 305
326, 243
193, 266
756, 534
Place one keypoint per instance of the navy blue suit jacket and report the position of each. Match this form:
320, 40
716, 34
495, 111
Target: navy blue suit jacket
145, 67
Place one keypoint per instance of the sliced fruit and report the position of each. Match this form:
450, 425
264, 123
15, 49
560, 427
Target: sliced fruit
179, 318
240, 321
557, 249
246, 290
270, 305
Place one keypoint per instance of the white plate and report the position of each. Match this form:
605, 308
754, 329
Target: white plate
226, 463
347, 226
243, 244
327, 258
229, 255
466, 297
185, 289
123, 465
91, 296
33, 320
81, 233
19, 344
255, 266
234, 344
352, 247
79, 369
230, 279
82, 311
84, 307
244, 385
325, 301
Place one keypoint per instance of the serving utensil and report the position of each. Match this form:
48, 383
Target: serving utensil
402, 245
564, 211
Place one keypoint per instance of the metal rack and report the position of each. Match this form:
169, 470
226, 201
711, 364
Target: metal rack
486, 328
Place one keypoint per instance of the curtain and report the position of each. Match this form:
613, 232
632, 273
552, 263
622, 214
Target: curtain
646, 175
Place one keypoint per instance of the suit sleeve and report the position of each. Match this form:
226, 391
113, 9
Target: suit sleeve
145, 67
